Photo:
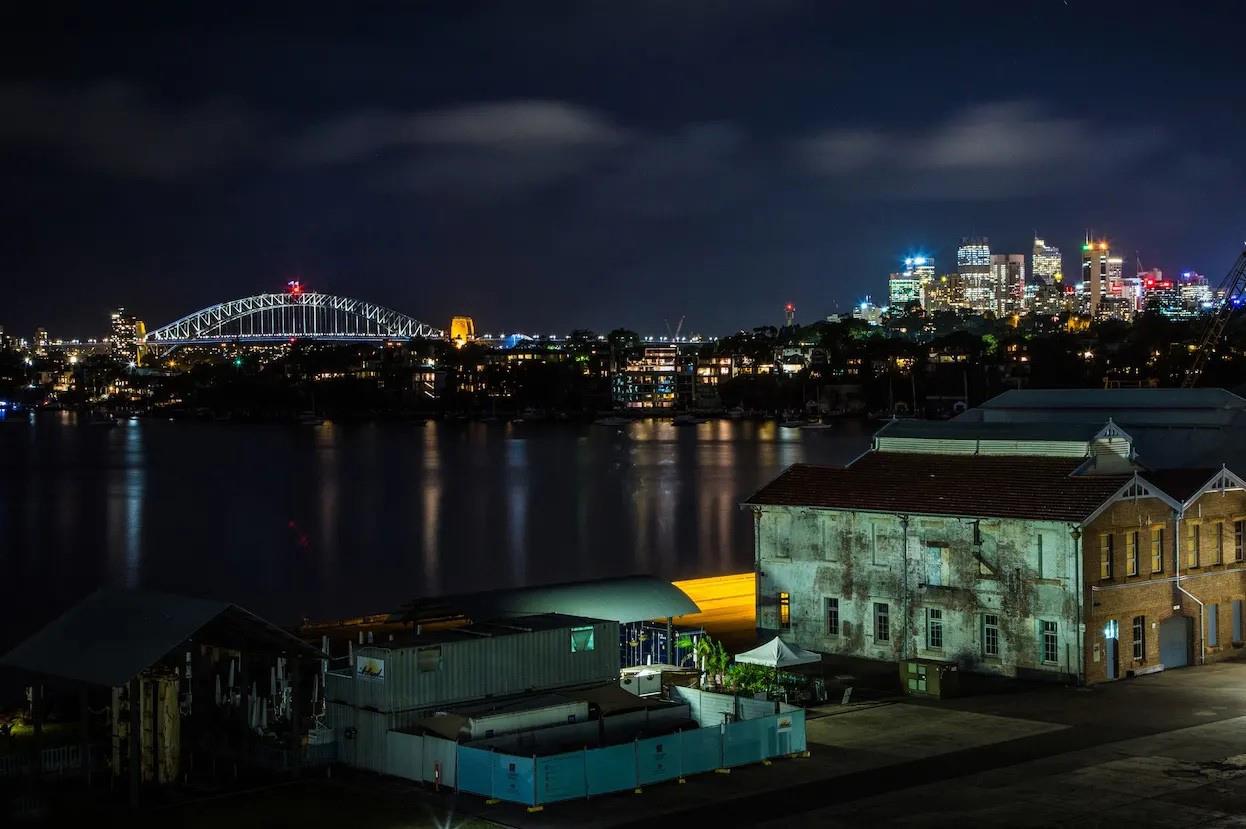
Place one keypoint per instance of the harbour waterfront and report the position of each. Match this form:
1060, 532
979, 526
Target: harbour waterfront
315, 521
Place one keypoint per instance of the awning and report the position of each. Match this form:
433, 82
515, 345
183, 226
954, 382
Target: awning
778, 654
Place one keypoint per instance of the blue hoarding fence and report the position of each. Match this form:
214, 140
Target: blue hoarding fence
535, 781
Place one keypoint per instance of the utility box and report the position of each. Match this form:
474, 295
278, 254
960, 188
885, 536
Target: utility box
929, 678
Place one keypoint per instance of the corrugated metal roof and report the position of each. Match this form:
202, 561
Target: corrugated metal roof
510, 626
1116, 399
625, 599
1041, 488
113, 635
975, 430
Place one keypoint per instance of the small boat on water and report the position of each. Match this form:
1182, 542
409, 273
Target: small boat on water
612, 421
689, 420
310, 419
791, 424
735, 413
816, 424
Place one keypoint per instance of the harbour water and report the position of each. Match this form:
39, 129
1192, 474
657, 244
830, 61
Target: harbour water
297, 521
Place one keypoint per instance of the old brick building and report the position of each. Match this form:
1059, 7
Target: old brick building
1022, 548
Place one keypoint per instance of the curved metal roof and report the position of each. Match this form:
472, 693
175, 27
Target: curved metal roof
625, 599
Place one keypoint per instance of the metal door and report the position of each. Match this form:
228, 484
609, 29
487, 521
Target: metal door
1174, 642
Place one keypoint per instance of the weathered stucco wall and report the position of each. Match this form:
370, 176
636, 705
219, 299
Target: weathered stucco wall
962, 568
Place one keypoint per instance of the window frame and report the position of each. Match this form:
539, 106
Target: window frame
1107, 552
785, 610
831, 605
990, 643
1239, 540
1194, 547
882, 613
590, 643
1132, 541
934, 622
1219, 548
1139, 638
1157, 549
1049, 630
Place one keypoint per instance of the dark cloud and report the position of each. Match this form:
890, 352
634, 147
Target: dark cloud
116, 127
991, 151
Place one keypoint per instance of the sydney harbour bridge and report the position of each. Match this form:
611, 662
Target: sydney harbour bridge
293, 314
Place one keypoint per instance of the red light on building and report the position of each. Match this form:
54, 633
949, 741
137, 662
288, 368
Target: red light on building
294, 288
789, 307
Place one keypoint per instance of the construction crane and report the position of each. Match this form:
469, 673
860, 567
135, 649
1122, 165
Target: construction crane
1229, 298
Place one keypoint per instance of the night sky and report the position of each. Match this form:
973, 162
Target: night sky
544, 166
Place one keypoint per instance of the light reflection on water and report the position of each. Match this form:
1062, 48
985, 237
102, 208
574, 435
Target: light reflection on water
295, 521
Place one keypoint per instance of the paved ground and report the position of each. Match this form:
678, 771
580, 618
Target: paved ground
1089, 755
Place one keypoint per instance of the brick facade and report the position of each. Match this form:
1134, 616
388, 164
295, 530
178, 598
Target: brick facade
1118, 592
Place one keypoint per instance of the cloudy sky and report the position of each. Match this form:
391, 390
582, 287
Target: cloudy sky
549, 165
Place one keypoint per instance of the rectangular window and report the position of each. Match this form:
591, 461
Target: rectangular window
1237, 620
882, 622
1105, 555
990, 635
832, 617
934, 628
1193, 549
1157, 549
1139, 637
1213, 619
785, 611
1219, 543
1239, 540
428, 660
1131, 565
1051, 643
582, 639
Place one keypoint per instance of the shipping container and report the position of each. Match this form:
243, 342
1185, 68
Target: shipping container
476, 662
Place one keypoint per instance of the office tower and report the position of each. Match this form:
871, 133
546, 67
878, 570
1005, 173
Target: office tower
973, 264
1095, 256
910, 284
1008, 276
1046, 265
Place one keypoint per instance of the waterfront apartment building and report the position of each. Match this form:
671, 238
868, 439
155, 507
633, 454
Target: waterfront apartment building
658, 378
1030, 538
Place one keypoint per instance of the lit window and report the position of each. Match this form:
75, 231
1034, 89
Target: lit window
1157, 550
1106, 549
785, 611
582, 639
1132, 561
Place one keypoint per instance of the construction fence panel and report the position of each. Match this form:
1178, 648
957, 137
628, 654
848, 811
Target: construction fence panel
701, 750
751, 709
439, 760
611, 769
659, 758
792, 726
476, 768
406, 755
749, 741
561, 777
514, 778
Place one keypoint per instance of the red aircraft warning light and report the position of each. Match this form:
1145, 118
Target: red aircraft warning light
294, 288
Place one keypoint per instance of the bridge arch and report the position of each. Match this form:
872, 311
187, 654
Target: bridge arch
294, 314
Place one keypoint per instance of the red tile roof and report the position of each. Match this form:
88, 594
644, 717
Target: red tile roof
926, 484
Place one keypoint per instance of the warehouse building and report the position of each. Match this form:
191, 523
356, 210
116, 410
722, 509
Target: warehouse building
1013, 545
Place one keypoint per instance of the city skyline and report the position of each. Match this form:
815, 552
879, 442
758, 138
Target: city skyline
448, 161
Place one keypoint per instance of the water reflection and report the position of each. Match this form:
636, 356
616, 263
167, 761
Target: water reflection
517, 509
125, 497
430, 516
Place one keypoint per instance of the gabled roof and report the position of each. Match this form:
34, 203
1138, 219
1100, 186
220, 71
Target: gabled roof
1180, 484
1121, 399
113, 635
1041, 488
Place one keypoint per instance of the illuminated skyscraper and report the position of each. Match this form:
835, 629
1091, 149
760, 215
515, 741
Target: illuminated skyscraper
973, 264
124, 333
1046, 265
1095, 257
910, 284
1008, 279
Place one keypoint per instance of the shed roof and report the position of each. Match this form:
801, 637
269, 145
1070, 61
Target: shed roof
625, 599
1041, 488
113, 635
978, 430
478, 631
